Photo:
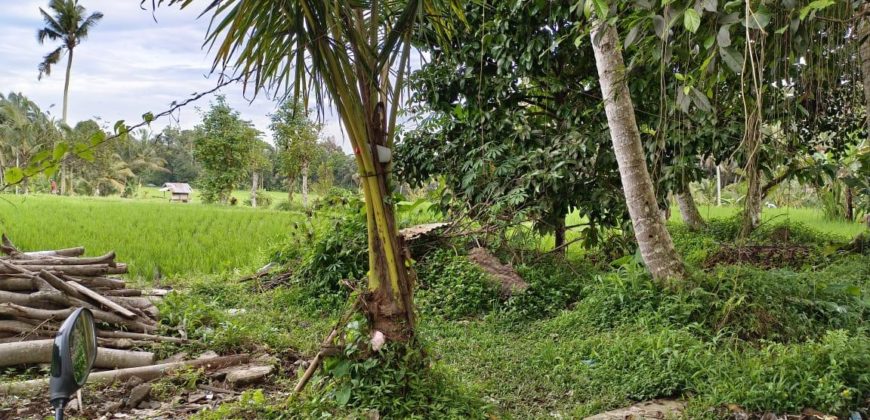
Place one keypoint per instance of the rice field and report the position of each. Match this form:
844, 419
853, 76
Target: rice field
156, 238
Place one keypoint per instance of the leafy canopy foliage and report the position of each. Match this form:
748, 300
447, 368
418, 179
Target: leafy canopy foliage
295, 136
223, 146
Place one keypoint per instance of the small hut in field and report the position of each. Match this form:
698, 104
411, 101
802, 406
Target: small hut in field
180, 191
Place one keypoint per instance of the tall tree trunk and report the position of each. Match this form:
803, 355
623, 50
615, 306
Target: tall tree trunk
559, 234
254, 184
850, 207
752, 204
69, 59
688, 210
17, 164
291, 185
305, 184
652, 236
864, 37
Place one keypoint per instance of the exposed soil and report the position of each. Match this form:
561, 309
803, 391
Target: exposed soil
508, 278
783, 254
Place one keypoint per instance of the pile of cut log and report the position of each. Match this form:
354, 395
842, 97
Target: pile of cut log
38, 290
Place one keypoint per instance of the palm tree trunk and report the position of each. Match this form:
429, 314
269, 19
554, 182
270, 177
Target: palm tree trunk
305, 184
69, 59
688, 210
653, 239
254, 184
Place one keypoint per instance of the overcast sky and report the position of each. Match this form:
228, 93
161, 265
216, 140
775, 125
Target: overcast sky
128, 66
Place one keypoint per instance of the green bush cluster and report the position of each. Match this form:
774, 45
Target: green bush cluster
337, 197
449, 285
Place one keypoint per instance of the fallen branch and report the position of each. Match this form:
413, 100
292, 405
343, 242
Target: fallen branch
140, 336
39, 351
315, 363
9, 249
146, 373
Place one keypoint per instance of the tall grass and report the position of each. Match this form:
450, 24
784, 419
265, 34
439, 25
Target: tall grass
154, 238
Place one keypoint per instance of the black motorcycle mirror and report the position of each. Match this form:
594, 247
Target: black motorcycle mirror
72, 357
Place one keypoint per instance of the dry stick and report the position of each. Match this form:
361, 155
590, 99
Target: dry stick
140, 336
315, 363
39, 351
146, 373
102, 300
205, 387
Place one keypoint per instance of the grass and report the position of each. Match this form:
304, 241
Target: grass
583, 339
153, 194
171, 239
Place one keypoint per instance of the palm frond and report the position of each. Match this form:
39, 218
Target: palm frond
49, 60
87, 24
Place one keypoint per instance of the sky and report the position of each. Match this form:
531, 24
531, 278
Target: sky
129, 65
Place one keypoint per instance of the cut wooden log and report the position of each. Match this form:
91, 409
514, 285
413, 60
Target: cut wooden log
25, 312
94, 270
24, 328
122, 292
102, 300
7, 248
17, 284
146, 373
108, 259
95, 282
59, 284
39, 351
42, 299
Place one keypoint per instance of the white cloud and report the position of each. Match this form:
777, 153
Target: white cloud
128, 66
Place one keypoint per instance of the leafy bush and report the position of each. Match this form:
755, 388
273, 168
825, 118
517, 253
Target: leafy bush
337, 197
397, 382
452, 287
264, 200
340, 253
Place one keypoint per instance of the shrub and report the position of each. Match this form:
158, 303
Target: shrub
264, 200
452, 287
337, 197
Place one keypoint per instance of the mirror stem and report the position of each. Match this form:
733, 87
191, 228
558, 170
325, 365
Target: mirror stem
58, 404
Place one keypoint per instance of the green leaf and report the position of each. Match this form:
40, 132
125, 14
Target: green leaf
632, 35
710, 5
148, 117
40, 157
691, 20
758, 20
815, 6
723, 38
13, 175
732, 59
659, 25
120, 127
60, 151
97, 138
601, 9
342, 396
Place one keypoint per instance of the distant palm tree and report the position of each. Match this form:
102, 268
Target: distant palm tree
70, 26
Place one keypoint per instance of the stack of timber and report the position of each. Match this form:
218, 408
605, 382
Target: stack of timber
38, 290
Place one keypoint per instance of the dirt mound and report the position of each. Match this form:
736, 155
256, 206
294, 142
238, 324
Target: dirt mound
508, 278
783, 254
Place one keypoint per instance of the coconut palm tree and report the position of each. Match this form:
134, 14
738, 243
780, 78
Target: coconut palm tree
355, 54
69, 25
24, 131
